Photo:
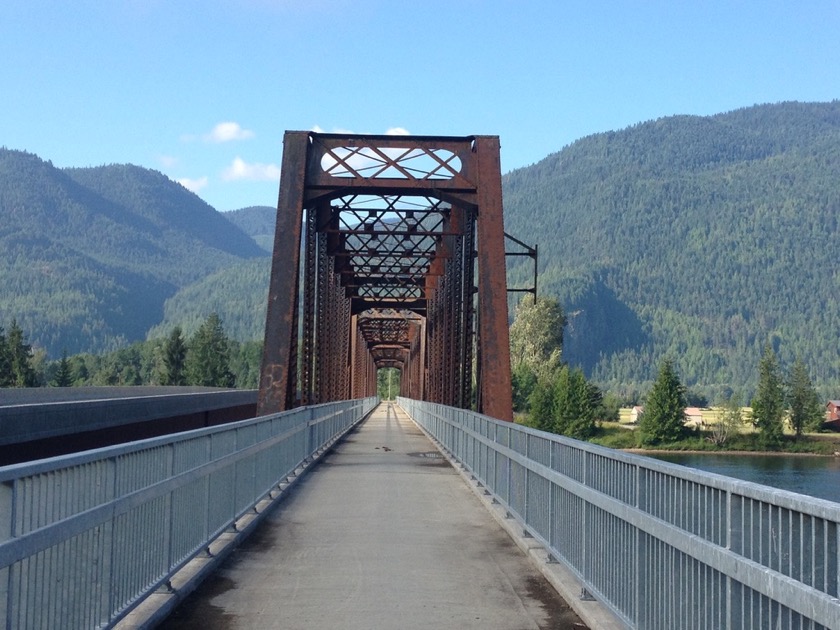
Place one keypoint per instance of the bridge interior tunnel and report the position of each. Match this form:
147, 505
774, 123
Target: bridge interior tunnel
389, 252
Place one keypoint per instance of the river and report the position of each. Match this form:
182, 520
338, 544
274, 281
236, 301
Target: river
814, 476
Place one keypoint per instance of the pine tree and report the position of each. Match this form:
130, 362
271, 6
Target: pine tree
20, 356
208, 356
541, 403
769, 403
5, 362
805, 408
175, 358
523, 382
664, 414
575, 403
64, 374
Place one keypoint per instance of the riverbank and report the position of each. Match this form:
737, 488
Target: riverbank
623, 437
649, 451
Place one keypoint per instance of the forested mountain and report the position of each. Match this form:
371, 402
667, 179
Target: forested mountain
88, 256
698, 238
239, 294
257, 222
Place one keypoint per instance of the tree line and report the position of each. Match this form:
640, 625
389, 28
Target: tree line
558, 398
207, 358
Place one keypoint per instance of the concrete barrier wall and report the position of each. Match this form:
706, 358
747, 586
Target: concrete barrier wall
41, 413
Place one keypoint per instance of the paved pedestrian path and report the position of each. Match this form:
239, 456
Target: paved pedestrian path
383, 533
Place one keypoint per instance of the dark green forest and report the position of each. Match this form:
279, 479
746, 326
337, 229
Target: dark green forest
256, 221
206, 357
88, 257
699, 239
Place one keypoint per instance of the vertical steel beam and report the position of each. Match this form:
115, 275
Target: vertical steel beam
496, 396
310, 276
468, 321
278, 375
355, 357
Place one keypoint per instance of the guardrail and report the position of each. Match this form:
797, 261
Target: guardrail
663, 546
86, 537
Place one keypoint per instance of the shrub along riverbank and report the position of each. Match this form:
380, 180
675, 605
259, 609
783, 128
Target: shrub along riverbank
618, 436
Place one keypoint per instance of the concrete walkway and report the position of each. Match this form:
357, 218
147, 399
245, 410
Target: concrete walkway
383, 533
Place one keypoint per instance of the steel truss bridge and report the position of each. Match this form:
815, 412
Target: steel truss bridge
389, 252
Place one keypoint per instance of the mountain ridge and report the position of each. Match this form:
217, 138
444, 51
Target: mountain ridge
707, 229
701, 238
88, 256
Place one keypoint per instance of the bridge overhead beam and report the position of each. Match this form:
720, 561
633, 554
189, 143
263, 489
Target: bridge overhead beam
395, 229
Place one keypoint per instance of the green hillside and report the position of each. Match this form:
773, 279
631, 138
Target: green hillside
699, 238
257, 222
88, 256
238, 294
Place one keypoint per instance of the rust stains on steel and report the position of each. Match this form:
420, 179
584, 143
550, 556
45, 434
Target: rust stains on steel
392, 230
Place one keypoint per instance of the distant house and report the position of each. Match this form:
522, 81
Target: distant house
832, 414
636, 414
693, 417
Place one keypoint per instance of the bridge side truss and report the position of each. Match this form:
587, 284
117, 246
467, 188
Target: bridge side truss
388, 252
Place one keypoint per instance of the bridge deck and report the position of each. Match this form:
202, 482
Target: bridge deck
382, 534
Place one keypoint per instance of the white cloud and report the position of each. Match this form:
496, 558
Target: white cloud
393, 131
193, 185
240, 169
227, 132
167, 161
319, 129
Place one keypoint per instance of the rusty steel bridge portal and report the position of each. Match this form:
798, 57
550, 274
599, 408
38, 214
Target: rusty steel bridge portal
388, 252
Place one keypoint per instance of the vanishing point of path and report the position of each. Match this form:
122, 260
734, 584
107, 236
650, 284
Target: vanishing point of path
383, 533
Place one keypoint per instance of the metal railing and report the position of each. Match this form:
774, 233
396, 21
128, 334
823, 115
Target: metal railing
662, 545
85, 538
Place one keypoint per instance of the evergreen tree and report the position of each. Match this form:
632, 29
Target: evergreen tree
175, 359
20, 357
769, 403
664, 413
523, 382
208, 357
575, 403
64, 374
5, 362
804, 403
541, 403
246, 360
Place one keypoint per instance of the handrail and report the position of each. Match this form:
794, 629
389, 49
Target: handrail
663, 546
84, 538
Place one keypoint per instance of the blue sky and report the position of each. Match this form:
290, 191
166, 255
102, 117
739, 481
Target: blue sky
202, 90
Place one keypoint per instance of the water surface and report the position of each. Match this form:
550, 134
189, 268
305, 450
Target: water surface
814, 476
